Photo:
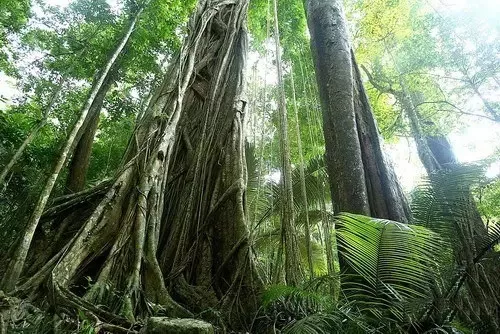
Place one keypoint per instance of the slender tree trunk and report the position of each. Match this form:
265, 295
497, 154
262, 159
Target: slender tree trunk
293, 272
33, 133
80, 160
487, 105
17, 262
428, 159
307, 226
362, 181
425, 154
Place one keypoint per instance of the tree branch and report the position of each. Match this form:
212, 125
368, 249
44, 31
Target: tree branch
457, 109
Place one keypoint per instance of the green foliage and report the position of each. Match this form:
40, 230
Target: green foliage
69, 46
14, 15
307, 309
489, 200
109, 146
442, 202
264, 198
436, 59
389, 264
391, 272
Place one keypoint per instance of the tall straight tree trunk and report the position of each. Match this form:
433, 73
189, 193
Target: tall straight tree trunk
293, 272
362, 181
303, 191
80, 160
33, 133
17, 262
172, 226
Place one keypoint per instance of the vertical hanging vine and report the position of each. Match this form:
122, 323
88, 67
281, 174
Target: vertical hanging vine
303, 192
293, 272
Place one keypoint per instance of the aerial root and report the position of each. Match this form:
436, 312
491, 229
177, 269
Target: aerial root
196, 298
65, 203
64, 297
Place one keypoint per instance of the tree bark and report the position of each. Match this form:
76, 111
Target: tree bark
334, 74
436, 155
362, 181
79, 165
495, 114
17, 262
33, 133
171, 229
303, 192
430, 162
293, 271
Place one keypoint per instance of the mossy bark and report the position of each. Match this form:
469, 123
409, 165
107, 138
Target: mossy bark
170, 228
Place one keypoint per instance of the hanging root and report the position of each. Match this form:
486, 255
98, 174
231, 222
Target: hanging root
63, 297
180, 197
65, 203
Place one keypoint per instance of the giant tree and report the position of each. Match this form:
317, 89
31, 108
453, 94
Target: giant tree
361, 179
171, 223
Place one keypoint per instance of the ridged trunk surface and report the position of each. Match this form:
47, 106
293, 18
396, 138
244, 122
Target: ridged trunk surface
170, 228
362, 181
17, 261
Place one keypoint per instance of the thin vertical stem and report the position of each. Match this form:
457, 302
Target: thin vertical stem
292, 260
303, 191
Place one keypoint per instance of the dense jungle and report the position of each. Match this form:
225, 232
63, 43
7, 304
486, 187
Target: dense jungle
249, 166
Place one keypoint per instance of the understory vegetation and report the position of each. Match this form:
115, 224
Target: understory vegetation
236, 162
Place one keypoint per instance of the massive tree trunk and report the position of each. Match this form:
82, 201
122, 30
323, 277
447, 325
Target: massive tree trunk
362, 181
171, 228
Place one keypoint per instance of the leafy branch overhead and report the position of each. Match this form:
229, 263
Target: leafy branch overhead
249, 166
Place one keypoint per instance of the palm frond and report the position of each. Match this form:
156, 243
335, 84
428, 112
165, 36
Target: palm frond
309, 309
390, 263
488, 242
319, 323
315, 216
259, 193
295, 299
314, 177
317, 254
443, 202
